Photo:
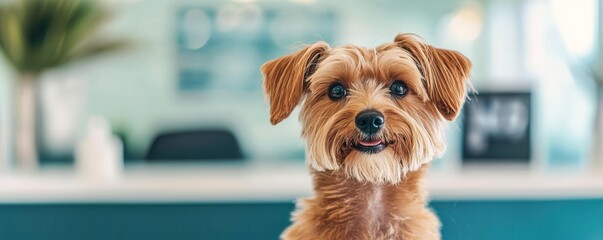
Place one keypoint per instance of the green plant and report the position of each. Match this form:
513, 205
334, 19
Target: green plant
36, 35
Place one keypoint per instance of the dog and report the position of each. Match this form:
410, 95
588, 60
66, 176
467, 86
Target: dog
372, 119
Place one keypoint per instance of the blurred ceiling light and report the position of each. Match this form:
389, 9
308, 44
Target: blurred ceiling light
466, 24
575, 21
197, 28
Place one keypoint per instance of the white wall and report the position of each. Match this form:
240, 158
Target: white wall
137, 89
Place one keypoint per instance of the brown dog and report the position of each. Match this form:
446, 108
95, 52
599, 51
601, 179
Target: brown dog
373, 120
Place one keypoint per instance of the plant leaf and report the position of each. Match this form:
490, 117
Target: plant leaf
98, 48
39, 34
11, 37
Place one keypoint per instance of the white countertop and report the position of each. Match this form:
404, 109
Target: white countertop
276, 182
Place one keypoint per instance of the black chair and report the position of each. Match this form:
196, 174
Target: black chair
210, 144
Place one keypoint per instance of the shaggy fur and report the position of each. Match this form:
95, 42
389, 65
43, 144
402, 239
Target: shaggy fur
368, 195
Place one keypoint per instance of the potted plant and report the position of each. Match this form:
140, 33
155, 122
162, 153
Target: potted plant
37, 35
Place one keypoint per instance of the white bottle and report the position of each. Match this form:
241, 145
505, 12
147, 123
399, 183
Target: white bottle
99, 155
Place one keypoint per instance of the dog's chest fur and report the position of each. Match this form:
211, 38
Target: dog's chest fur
346, 209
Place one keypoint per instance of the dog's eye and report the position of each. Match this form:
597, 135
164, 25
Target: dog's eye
337, 91
399, 88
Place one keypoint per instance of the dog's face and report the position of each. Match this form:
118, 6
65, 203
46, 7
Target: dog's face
375, 114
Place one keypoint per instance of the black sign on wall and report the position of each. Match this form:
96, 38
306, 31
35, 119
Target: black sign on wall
497, 127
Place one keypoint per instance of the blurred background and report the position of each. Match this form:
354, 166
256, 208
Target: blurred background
145, 119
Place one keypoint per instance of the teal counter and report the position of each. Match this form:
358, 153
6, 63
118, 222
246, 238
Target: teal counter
466, 220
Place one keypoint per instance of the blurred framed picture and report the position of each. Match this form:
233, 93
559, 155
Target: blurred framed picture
220, 48
497, 127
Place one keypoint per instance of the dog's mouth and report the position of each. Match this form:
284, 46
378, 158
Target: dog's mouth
370, 145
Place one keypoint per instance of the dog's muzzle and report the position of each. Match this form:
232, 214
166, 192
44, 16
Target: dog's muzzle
370, 122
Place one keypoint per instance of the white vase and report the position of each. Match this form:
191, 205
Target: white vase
98, 155
62, 103
25, 123
5, 159
597, 144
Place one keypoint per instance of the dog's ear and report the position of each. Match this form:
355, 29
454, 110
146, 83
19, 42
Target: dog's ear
445, 73
285, 78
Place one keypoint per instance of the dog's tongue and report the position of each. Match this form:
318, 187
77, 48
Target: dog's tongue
370, 143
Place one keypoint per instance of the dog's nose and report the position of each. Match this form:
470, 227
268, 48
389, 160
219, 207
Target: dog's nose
369, 121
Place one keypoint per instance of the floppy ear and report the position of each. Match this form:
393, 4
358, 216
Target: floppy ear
445, 73
285, 77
